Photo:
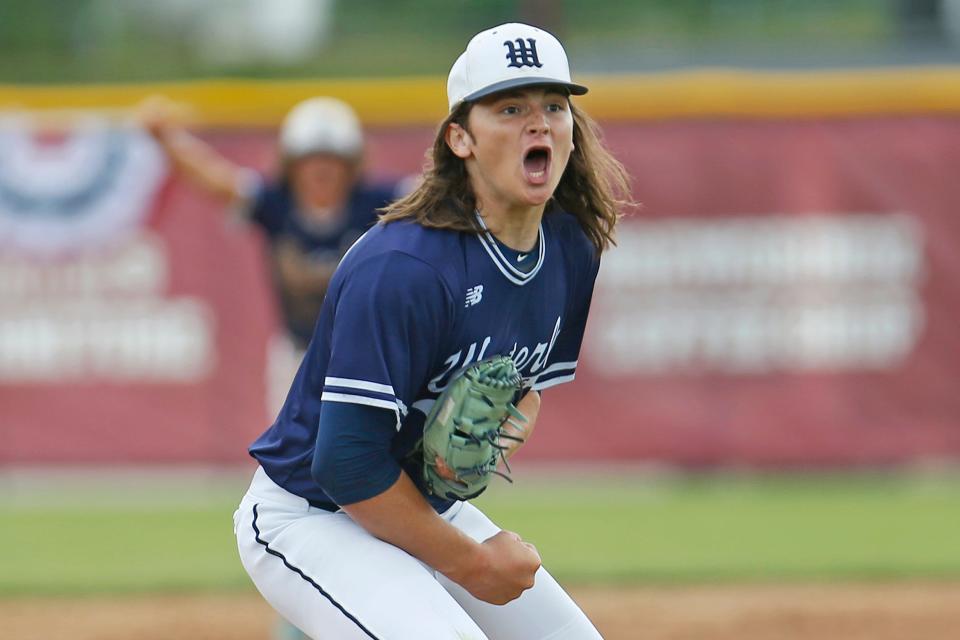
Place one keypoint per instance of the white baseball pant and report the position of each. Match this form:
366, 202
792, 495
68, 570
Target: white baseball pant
325, 574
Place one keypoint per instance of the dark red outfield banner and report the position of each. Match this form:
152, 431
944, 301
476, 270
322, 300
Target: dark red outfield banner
788, 294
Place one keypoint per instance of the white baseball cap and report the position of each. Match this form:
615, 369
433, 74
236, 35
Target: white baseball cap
511, 55
321, 125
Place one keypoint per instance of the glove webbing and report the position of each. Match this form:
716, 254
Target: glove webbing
492, 436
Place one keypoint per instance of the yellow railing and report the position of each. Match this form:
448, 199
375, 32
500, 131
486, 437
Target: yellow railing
707, 93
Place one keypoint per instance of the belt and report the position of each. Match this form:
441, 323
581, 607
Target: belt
326, 506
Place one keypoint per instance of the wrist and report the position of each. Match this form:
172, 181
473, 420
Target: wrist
473, 562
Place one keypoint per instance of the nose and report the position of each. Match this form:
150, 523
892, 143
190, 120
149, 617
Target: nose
538, 123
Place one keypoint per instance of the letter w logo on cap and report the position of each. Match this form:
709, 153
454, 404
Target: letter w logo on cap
522, 54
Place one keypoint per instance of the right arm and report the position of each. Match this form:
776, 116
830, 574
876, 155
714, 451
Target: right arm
497, 570
198, 161
353, 465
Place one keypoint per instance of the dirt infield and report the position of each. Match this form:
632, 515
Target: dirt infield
927, 611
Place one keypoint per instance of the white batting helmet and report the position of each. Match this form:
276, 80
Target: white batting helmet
321, 125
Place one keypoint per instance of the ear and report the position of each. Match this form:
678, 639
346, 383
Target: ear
459, 140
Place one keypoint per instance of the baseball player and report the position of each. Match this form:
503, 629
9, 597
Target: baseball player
495, 253
311, 212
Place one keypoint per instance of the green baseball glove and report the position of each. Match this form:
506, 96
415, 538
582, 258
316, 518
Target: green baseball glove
463, 432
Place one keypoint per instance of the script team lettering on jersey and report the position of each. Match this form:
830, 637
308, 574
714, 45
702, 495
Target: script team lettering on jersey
527, 360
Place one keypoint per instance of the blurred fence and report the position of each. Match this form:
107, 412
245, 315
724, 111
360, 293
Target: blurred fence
787, 295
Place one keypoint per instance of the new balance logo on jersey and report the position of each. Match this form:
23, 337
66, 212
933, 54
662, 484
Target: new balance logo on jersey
522, 55
474, 295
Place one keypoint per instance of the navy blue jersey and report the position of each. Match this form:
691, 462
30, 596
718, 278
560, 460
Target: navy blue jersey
295, 239
408, 307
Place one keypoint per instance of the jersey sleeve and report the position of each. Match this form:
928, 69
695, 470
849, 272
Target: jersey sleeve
390, 315
562, 363
264, 204
352, 460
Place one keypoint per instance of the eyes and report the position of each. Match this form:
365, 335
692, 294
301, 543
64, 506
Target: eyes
511, 109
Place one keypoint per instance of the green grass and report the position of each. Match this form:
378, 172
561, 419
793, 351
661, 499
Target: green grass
114, 549
776, 528
632, 528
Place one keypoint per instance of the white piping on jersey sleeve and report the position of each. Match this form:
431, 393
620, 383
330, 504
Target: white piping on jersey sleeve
393, 403
555, 374
362, 385
328, 396
557, 366
552, 382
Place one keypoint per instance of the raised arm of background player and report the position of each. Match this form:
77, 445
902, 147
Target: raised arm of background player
232, 184
192, 157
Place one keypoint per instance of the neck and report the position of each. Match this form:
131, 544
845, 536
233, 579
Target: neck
518, 228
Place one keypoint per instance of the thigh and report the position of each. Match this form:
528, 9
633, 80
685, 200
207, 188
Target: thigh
544, 611
330, 578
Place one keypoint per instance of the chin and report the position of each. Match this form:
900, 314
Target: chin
546, 199
533, 202
538, 196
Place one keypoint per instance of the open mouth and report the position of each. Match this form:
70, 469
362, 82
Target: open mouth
536, 162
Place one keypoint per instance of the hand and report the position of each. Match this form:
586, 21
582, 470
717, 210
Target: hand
529, 406
158, 115
443, 470
506, 569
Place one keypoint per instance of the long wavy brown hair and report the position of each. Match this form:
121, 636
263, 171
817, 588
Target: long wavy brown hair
595, 187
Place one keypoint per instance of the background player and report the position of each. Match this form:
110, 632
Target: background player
496, 252
311, 211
